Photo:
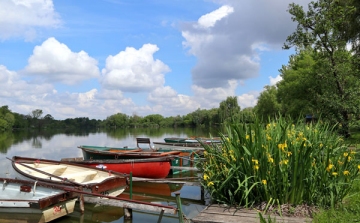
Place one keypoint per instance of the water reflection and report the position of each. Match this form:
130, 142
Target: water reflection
94, 213
55, 145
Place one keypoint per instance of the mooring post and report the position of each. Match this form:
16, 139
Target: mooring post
81, 202
178, 203
128, 211
127, 214
202, 193
161, 215
130, 185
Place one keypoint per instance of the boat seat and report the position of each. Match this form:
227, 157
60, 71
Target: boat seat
80, 176
143, 141
52, 168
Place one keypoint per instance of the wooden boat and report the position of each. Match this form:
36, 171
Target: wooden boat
111, 149
186, 158
43, 201
89, 179
198, 140
147, 168
96, 153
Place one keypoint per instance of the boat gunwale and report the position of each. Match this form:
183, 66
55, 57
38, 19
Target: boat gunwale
123, 161
149, 154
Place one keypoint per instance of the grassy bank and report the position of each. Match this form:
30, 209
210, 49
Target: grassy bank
284, 163
349, 209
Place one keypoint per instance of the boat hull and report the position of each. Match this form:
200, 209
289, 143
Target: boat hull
147, 168
192, 140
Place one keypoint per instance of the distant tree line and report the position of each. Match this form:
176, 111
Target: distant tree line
229, 110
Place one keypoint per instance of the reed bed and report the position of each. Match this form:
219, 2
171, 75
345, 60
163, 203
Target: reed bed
280, 162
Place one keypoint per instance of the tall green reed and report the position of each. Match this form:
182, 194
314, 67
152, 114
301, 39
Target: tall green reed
289, 162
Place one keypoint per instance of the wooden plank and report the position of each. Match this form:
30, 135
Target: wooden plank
218, 214
125, 204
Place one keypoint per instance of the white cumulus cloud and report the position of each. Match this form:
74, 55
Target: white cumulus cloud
134, 70
55, 62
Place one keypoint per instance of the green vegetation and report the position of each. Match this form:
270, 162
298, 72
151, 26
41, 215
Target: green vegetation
322, 78
349, 211
280, 162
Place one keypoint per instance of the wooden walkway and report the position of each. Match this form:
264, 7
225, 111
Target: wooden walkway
218, 214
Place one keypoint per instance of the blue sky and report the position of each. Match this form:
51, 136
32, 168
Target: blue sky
96, 58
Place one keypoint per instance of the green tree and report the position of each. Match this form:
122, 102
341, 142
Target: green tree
336, 68
229, 110
153, 120
7, 118
214, 118
350, 26
297, 90
247, 115
118, 120
267, 105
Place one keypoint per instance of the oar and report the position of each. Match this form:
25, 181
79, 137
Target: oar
46, 173
119, 199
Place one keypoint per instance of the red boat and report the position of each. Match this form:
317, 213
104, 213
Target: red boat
147, 168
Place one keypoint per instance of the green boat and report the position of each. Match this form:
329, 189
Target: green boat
185, 161
103, 152
190, 141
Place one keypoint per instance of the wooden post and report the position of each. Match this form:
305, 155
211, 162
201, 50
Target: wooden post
178, 203
161, 215
130, 185
128, 211
81, 202
202, 193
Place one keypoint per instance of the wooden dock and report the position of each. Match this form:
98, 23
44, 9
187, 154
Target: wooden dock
220, 214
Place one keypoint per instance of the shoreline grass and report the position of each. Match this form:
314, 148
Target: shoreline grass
284, 163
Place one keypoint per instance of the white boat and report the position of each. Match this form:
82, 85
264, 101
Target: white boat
81, 177
46, 201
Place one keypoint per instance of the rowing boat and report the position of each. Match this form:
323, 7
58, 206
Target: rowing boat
44, 201
97, 152
89, 179
147, 168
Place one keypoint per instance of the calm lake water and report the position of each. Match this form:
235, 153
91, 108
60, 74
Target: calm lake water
64, 145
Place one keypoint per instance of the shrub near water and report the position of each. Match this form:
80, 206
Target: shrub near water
283, 162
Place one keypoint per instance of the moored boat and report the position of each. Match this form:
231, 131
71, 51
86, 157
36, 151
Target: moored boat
189, 152
195, 140
147, 168
46, 202
89, 179
96, 153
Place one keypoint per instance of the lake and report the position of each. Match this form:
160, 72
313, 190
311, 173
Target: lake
56, 146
